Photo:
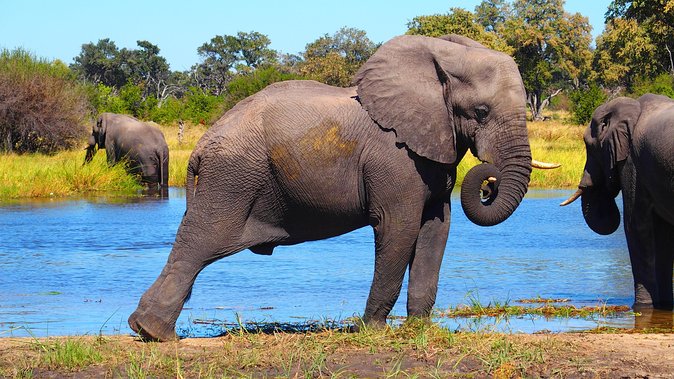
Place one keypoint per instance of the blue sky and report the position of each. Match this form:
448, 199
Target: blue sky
57, 29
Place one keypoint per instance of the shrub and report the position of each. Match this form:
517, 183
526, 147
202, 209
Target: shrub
243, 86
42, 108
662, 84
585, 101
200, 107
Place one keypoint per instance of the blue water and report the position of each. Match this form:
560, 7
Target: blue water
70, 267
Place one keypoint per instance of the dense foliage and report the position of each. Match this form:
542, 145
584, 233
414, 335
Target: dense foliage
42, 109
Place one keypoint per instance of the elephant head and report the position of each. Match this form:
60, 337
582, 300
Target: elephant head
443, 96
607, 143
97, 138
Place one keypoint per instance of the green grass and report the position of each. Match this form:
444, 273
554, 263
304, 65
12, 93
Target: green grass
69, 354
63, 174
36, 175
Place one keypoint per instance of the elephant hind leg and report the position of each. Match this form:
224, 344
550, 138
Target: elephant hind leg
664, 262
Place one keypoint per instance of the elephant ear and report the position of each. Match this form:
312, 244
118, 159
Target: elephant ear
405, 87
101, 128
617, 126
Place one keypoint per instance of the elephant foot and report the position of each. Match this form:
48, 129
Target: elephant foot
151, 328
363, 324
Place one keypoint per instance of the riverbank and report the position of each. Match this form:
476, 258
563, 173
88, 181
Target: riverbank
408, 351
61, 175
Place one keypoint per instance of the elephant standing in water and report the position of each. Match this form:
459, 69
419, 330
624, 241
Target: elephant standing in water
302, 161
143, 145
630, 148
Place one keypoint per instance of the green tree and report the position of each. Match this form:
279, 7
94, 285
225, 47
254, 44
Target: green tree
624, 53
225, 56
492, 14
657, 19
334, 59
551, 47
457, 21
97, 63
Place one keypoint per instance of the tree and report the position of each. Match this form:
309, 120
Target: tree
98, 63
334, 59
492, 14
624, 54
225, 56
551, 47
657, 19
457, 21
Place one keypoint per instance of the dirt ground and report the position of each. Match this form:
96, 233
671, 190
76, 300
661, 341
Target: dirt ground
568, 355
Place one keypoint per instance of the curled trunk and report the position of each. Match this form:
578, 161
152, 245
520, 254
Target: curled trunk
487, 202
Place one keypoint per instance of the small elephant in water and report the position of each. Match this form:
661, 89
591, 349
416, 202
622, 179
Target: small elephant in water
141, 144
302, 161
630, 148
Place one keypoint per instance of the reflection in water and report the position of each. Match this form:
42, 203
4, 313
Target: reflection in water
654, 319
80, 266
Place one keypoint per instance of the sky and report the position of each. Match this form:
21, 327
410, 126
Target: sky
57, 29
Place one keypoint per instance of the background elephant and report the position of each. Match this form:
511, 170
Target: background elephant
302, 161
141, 144
630, 148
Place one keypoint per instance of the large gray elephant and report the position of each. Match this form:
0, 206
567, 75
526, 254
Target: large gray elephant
302, 161
141, 144
630, 148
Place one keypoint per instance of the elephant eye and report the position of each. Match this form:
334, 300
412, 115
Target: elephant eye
481, 113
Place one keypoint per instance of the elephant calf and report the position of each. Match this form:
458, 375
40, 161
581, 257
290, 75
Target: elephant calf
142, 145
630, 148
302, 161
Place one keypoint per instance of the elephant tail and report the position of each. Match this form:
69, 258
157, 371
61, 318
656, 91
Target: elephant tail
192, 178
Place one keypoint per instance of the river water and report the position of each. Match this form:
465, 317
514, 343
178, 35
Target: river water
72, 267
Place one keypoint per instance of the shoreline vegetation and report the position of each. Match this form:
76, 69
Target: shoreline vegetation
63, 175
414, 349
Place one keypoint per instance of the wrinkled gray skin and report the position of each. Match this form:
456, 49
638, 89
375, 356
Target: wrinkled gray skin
143, 145
302, 161
630, 148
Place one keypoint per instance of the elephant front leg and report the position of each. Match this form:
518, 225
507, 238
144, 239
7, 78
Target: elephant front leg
395, 238
425, 264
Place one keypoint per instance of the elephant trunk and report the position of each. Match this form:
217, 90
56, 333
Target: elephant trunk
91, 149
600, 210
490, 194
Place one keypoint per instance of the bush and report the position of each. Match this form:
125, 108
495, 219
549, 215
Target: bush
42, 108
662, 84
243, 86
585, 101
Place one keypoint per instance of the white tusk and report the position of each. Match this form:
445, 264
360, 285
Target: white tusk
572, 198
543, 165
491, 179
